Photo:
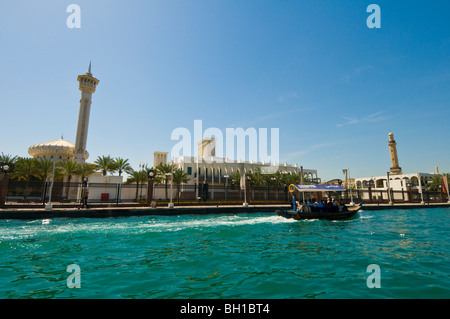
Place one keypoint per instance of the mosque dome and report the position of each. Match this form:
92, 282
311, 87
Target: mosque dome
59, 149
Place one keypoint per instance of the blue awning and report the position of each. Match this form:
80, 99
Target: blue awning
320, 188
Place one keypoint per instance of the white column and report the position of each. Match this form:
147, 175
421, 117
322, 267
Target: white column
212, 183
420, 189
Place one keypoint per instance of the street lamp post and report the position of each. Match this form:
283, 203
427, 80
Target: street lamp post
150, 188
408, 189
301, 183
347, 179
389, 190
351, 191
245, 190
170, 203
4, 179
226, 187
49, 204
171, 186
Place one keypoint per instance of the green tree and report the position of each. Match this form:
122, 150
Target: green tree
44, 169
69, 169
8, 159
25, 169
179, 177
276, 179
256, 178
122, 165
105, 164
163, 173
85, 170
137, 177
436, 181
235, 178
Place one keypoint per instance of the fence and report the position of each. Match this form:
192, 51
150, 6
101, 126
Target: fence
21, 192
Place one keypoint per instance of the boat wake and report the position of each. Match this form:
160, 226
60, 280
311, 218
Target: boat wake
47, 228
222, 221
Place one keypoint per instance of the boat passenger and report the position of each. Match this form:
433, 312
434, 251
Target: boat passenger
340, 206
305, 208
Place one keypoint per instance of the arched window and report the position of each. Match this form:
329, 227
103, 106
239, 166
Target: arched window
380, 183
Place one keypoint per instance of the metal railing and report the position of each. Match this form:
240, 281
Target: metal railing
63, 193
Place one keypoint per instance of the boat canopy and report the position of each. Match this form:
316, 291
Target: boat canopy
319, 188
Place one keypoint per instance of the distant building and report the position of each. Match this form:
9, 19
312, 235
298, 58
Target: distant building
213, 170
159, 158
398, 181
62, 150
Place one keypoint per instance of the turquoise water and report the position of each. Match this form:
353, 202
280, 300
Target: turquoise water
228, 256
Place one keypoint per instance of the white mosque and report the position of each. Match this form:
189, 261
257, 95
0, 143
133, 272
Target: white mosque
60, 149
395, 179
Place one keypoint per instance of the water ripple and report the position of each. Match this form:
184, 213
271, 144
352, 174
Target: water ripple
228, 256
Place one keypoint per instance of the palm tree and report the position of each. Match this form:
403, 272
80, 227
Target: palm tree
25, 170
44, 168
163, 173
257, 179
137, 177
275, 179
105, 164
121, 165
235, 178
179, 177
69, 169
85, 169
436, 181
9, 160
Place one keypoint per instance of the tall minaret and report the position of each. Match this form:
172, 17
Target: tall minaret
87, 86
395, 169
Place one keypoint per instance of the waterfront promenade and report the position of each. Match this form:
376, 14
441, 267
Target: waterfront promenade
105, 212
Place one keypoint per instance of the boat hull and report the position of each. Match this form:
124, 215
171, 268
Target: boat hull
351, 211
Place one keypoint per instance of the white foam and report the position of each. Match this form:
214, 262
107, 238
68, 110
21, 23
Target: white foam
216, 222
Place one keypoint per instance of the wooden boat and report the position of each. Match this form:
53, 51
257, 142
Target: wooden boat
324, 213
308, 212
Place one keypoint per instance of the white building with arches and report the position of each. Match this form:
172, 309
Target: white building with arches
213, 170
414, 181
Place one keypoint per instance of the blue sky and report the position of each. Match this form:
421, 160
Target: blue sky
313, 69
